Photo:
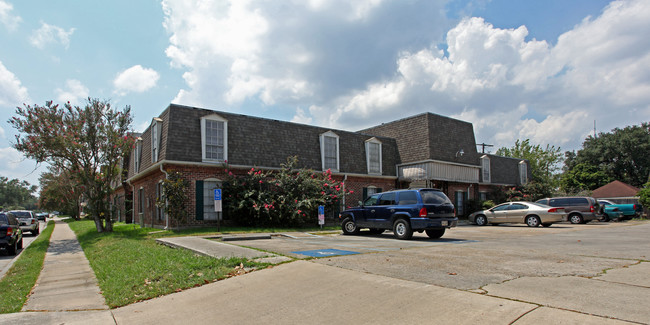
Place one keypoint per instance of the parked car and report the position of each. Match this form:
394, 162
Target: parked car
11, 237
610, 213
532, 214
580, 209
402, 211
629, 211
42, 215
28, 221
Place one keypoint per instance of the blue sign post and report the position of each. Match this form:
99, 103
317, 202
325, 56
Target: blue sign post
321, 216
218, 207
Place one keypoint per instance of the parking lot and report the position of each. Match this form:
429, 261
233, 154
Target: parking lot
564, 266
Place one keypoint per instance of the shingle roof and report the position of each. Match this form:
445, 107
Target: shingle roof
254, 141
615, 189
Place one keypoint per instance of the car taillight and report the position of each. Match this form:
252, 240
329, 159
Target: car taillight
33, 221
10, 231
423, 213
553, 210
633, 206
591, 208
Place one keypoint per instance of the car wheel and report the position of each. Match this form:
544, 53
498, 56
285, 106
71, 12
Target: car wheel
575, 218
376, 231
546, 225
349, 227
402, 229
13, 249
532, 221
481, 220
20, 244
435, 233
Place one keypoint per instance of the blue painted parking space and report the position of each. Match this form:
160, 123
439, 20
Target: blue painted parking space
325, 252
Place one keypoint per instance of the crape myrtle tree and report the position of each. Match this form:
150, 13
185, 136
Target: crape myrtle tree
86, 142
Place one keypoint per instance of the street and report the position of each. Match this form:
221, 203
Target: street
6, 261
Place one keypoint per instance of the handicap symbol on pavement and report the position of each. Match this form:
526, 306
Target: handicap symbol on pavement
325, 252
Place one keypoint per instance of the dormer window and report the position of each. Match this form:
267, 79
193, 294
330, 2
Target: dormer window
523, 172
485, 166
214, 138
373, 156
137, 153
329, 150
156, 127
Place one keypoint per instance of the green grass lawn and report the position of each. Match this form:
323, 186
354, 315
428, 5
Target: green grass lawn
130, 266
21, 277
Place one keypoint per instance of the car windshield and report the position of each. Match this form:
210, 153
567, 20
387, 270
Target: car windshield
434, 197
22, 214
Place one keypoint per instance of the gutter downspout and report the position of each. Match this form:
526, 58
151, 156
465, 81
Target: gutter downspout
166, 203
128, 181
345, 178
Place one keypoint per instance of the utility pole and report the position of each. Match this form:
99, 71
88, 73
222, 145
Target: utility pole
483, 145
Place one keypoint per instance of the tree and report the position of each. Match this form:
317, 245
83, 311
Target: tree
16, 194
644, 196
582, 177
174, 196
59, 192
86, 142
543, 162
621, 155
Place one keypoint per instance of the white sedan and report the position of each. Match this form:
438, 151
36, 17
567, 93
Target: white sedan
532, 214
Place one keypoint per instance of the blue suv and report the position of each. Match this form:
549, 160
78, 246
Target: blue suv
403, 212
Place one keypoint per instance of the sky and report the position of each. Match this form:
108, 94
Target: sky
550, 71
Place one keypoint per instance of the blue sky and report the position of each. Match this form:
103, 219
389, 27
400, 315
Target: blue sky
544, 70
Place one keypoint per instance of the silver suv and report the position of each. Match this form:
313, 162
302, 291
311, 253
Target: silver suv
28, 221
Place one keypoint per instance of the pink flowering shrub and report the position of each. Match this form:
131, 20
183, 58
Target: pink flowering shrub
289, 197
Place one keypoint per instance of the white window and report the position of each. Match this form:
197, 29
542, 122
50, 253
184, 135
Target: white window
373, 156
137, 153
485, 164
329, 150
214, 138
209, 185
523, 172
156, 126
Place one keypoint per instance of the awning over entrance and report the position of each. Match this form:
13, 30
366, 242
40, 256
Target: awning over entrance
438, 170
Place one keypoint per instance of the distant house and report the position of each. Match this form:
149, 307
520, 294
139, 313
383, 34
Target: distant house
423, 150
617, 192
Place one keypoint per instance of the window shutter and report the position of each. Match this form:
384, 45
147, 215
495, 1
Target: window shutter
365, 193
199, 200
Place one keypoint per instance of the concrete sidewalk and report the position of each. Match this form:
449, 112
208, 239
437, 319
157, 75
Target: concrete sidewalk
66, 283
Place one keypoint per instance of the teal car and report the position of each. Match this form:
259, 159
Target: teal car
611, 213
629, 211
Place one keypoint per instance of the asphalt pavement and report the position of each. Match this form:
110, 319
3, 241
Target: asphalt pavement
356, 289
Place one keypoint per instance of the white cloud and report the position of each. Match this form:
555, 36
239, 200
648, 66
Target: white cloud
294, 53
358, 64
12, 93
6, 18
50, 34
16, 166
75, 92
2, 133
135, 79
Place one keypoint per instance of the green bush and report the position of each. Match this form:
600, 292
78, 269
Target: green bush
289, 197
